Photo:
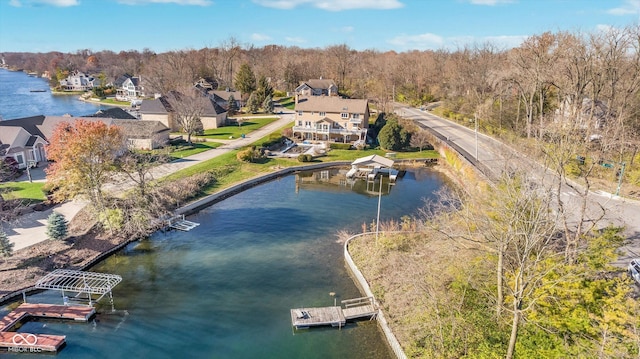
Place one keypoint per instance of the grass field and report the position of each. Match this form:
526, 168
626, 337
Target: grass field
32, 192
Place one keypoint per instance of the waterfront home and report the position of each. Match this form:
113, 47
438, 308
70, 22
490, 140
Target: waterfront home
317, 87
25, 139
161, 109
128, 88
78, 81
331, 118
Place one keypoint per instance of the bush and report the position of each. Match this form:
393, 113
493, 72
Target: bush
56, 226
340, 146
251, 154
305, 157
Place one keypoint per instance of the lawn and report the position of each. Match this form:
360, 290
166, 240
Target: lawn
287, 102
110, 101
224, 133
30, 191
184, 150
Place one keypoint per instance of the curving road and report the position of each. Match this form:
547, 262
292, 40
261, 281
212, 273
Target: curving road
493, 158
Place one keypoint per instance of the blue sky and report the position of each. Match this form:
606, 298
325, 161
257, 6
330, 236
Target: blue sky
399, 25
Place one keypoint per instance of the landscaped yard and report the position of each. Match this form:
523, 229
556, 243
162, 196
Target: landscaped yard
184, 150
234, 131
29, 191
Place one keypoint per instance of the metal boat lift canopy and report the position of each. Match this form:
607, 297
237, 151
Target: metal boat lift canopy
80, 282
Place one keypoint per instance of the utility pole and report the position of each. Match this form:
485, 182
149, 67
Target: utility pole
476, 121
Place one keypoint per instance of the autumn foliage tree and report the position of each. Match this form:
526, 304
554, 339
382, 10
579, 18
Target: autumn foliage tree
83, 154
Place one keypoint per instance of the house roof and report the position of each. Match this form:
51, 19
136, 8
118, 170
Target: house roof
156, 106
332, 104
318, 83
224, 95
373, 161
29, 124
212, 108
140, 129
115, 112
120, 80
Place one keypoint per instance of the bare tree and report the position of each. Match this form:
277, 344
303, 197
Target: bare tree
188, 106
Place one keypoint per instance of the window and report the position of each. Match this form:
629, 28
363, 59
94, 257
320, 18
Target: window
323, 113
19, 158
344, 115
299, 113
299, 123
355, 115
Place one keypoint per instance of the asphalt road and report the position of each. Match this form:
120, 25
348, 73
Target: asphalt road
493, 158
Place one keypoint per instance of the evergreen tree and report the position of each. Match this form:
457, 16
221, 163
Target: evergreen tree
393, 136
267, 104
6, 247
245, 79
232, 107
56, 226
253, 103
264, 89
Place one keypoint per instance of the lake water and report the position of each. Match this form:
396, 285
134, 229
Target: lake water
17, 100
224, 289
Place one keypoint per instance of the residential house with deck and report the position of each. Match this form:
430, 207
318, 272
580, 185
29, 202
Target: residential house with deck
331, 118
78, 81
317, 87
128, 88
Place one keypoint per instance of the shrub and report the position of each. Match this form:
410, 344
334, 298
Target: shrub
340, 146
251, 154
305, 157
57, 226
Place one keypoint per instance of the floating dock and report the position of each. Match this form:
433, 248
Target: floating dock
15, 342
181, 224
335, 316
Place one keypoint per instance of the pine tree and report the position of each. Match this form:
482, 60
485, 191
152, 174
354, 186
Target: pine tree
233, 106
268, 104
6, 247
56, 226
245, 79
253, 103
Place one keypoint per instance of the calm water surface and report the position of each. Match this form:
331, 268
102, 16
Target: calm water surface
224, 289
17, 100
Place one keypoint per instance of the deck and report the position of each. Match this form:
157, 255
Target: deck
335, 316
35, 343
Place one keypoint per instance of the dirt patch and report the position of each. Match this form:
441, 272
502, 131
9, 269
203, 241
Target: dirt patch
84, 245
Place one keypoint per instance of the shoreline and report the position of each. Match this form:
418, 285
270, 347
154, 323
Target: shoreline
188, 209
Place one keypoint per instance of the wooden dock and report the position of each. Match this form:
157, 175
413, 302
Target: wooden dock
181, 224
35, 343
335, 316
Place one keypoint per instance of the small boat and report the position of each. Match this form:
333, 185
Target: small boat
37, 90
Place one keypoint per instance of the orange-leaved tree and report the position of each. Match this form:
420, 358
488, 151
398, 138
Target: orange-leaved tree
84, 154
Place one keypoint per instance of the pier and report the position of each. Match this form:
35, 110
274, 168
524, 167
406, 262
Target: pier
17, 342
181, 224
335, 316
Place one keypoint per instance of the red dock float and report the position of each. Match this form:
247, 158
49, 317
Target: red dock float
36, 343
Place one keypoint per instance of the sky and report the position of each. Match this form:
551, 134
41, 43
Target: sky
382, 25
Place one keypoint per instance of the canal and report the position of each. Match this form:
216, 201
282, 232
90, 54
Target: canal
224, 289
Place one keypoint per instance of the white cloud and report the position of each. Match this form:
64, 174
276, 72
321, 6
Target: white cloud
489, 2
260, 37
630, 7
59, 3
177, 2
332, 5
418, 42
295, 40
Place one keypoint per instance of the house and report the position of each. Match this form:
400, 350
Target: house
144, 135
160, 109
221, 97
331, 118
114, 112
317, 87
78, 81
25, 139
206, 84
589, 115
128, 88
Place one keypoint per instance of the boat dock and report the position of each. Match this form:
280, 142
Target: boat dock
335, 316
15, 342
181, 224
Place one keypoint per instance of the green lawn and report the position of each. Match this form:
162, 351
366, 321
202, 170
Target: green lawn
248, 125
287, 102
110, 101
185, 150
31, 192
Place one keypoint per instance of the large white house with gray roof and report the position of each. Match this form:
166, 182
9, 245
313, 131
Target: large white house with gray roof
331, 118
